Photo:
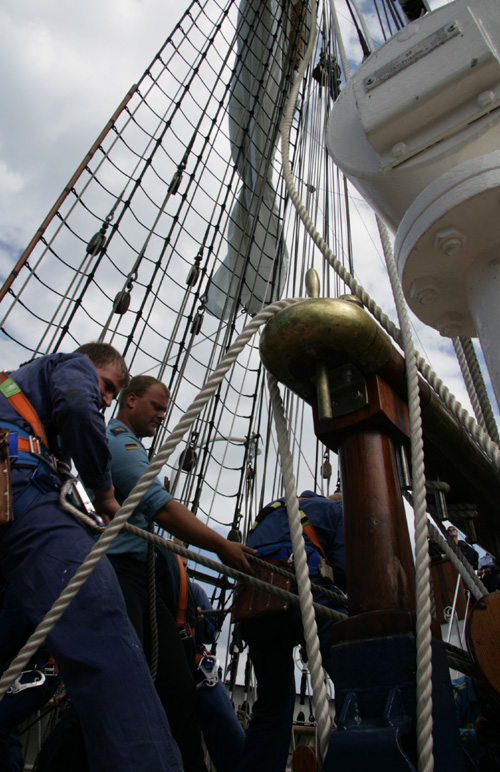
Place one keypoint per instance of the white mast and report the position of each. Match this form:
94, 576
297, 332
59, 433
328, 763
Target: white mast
417, 131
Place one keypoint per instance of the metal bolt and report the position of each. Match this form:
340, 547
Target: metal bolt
450, 325
399, 149
425, 290
450, 241
486, 98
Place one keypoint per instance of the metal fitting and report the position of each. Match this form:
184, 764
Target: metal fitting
486, 98
399, 149
450, 325
450, 241
425, 290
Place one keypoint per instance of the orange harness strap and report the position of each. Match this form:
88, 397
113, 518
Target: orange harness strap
309, 531
311, 534
23, 406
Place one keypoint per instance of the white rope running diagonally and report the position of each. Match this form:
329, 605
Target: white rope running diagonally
476, 387
459, 560
112, 530
422, 569
479, 435
319, 696
234, 573
469, 383
424, 665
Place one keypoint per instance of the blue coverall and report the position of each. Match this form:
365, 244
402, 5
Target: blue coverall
271, 639
99, 656
222, 732
224, 736
128, 555
486, 756
15, 708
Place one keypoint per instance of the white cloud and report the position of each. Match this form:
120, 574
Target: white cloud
65, 67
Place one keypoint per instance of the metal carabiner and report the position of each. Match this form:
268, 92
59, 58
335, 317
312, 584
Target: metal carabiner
209, 667
18, 686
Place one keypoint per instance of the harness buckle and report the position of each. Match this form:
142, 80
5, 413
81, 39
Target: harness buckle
83, 507
185, 632
325, 570
209, 668
37, 678
34, 443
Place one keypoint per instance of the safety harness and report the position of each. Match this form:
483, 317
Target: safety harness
324, 566
185, 629
207, 665
20, 447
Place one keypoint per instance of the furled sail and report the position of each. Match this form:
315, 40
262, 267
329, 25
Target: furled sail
256, 264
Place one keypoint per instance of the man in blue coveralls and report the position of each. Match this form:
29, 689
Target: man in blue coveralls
222, 732
101, 662
271, 639
142, 408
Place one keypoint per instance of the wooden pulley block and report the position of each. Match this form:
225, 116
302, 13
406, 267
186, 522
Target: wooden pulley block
483, 637
304, 759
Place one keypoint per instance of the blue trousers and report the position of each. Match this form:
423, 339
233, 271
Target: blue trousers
97, 652
271, 641
174, 681
224, 736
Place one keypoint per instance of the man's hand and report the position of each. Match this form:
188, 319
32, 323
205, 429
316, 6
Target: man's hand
233, 554
180, 522
106, 504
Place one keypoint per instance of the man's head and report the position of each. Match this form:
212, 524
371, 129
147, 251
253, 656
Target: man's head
143, 405
111, 369
452, 532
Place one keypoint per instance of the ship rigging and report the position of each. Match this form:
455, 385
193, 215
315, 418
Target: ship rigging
180, 225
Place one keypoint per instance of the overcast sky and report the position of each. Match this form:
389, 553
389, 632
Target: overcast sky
65, 68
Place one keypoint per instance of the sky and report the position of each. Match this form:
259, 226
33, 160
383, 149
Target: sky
65, 67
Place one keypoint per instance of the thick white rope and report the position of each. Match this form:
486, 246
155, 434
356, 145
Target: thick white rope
459, 560
319, 692
476, 388
112, 530
424, 665
234, 573
469, 383
413, 362
480, 436
422, 568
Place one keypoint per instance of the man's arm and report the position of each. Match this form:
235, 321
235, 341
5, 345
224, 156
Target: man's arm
105, 503
175, 518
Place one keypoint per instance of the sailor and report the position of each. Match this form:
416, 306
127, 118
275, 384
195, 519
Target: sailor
222, 732
51, 408
33, 688
470, 553
141, 410
272, 638
477, 706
